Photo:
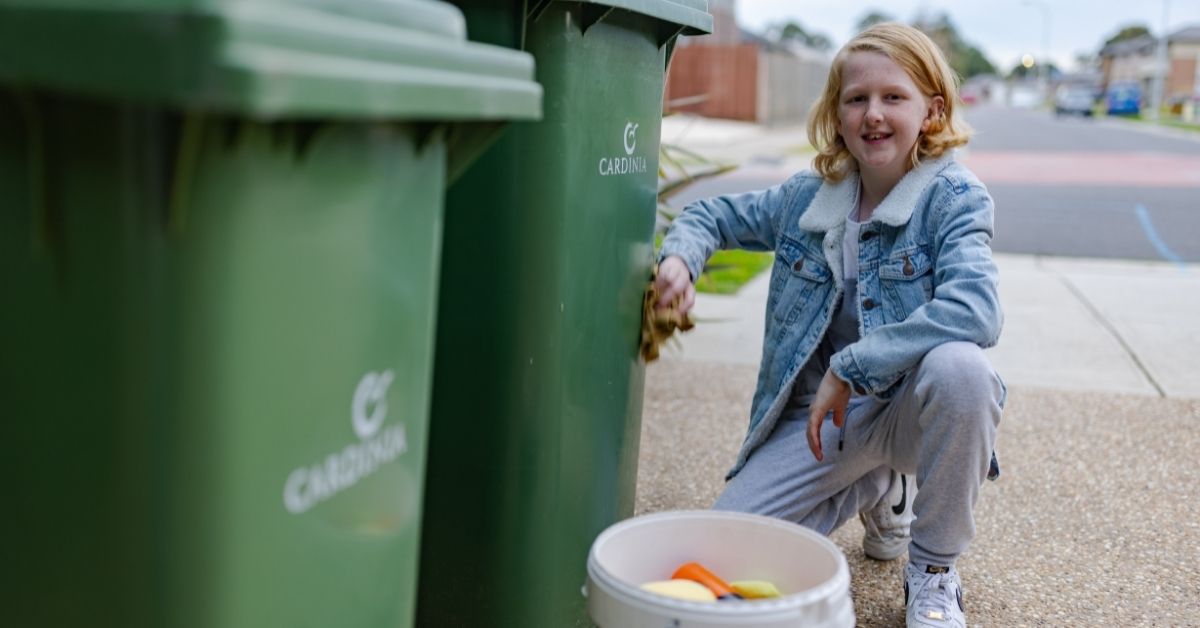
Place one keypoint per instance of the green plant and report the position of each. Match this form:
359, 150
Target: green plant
679, 168
726, 271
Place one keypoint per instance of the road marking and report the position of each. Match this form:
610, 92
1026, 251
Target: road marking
1096, 169
1152, 236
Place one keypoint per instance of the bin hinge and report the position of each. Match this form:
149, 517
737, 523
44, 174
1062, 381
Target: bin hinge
424, 132
466, 142
667, 34
589, 14
297, 134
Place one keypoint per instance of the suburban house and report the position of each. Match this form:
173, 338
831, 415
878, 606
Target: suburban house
1133, 61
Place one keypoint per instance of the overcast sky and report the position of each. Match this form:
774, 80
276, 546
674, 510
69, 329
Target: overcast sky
1003, 29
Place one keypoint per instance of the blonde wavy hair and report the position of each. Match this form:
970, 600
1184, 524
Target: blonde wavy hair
923, 61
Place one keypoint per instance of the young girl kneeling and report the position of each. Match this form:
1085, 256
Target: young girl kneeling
883, 295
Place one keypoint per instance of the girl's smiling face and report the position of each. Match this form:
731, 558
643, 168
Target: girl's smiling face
881, 114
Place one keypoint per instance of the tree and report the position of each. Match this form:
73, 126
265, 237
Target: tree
941, 30
871, 18
820, 42
795, 33
974, 63
1020, 71
964, 58
1131, 31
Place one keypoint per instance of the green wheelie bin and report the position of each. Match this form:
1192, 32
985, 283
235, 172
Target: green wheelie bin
537, 382
220, 232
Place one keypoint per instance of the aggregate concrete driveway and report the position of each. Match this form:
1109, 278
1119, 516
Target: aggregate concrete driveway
1094, 522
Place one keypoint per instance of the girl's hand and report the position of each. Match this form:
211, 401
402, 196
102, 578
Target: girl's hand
833, 394
674, 279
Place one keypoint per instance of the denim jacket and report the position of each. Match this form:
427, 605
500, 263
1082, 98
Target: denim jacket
925, 275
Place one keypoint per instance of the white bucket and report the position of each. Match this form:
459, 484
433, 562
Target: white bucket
807, 567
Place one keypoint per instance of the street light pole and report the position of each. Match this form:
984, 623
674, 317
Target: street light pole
1044, 63
1160, 68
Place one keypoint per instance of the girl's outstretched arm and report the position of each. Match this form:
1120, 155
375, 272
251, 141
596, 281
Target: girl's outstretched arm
736, 221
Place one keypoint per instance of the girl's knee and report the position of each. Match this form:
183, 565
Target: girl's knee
957, 362
961, 372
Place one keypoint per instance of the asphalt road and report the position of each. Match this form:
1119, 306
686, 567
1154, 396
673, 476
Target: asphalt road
1063, 186
1073, 213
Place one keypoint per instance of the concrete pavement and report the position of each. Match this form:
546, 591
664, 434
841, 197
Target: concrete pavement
1096, 519
1070, 324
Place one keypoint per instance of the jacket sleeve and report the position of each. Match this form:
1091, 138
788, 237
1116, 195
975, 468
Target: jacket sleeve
965, 304
737, 221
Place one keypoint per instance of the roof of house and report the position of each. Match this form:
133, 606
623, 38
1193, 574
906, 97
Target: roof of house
1139, 45
1146, 43
1190, 34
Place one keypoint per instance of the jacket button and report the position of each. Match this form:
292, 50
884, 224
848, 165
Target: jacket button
868, 304
799, 265
858, 388
867, 235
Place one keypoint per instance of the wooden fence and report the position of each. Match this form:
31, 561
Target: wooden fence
714, 81
743, 82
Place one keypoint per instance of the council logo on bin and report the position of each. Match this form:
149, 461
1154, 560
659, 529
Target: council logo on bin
371, 391
308, 485
627, 163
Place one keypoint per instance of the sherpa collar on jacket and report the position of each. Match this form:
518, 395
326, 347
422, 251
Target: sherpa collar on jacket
832, 202
828, 210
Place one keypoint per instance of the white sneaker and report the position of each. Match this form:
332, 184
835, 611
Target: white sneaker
933, 597
888, 523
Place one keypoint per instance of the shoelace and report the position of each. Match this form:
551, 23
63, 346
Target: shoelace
936, 598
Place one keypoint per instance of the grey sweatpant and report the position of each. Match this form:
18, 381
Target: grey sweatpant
940, 425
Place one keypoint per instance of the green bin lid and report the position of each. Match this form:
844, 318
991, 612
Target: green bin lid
691, 15
406, 59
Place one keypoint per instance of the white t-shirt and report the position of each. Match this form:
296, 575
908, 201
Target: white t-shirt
843, 329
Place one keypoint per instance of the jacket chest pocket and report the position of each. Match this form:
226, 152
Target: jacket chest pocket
798, 276
906, 279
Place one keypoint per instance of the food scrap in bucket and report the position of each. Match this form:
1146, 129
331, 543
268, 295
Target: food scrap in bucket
697, 572
696, 583
755, 589
681, 590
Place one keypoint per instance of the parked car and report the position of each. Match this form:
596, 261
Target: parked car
1074, 100
1123, 99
